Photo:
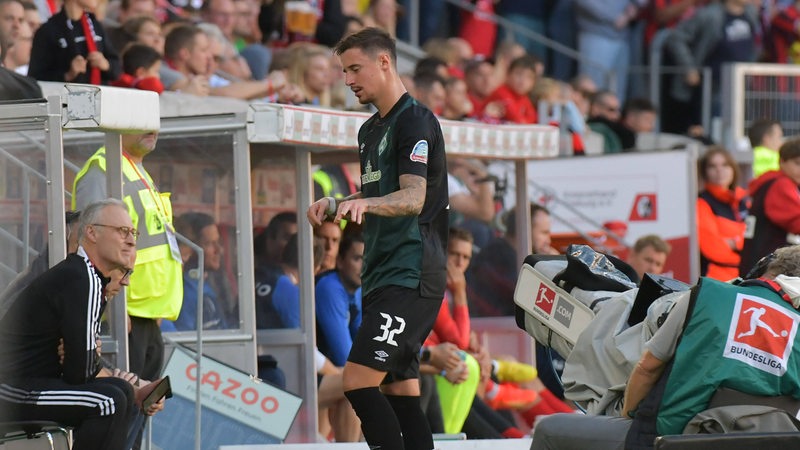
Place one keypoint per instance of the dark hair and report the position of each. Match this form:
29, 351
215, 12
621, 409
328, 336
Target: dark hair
462, 234
790, 150
473, 64
511, 217
705, 160
29, 6
428, 64
599, 96
191, 224
638, 105
370, 40
528, 62
136, 56
132, 26
179, 38
347, 241
759, 129
271, 231
290, 253
424, 81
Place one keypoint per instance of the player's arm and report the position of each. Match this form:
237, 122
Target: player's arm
406, 201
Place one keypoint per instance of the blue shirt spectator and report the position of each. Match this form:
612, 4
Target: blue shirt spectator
338, 317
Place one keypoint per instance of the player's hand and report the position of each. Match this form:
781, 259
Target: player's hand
130, 377
156, 407
351, 210
98, 60
459, 374
317, 211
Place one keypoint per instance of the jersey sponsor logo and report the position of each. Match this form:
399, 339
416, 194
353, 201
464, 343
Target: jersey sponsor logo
391, 327
369, 176
420, 152
761, 334
545, 298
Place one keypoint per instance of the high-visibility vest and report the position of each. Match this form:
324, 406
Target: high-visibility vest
156, 285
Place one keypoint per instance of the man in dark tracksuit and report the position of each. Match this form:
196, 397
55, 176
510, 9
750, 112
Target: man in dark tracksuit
66, 303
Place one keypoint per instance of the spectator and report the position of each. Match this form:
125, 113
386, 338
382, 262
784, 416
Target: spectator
432, 65
128, 9
18, 57
156, 289
604, 116
719, 33
12, 18
224, 14
268, 250
247, 39
201, 229
456, 103
88, 57
140, 67
604, 41
648, 255
32, 16
478, 29
479, 75
721, 211
493, 274
471, 190
528, 15
382, 14
331, 236
583, 90
14, 86
66, 302
507, 52
514, 95
553, 100
774, 218
639, 115
766, 137
226, 64
338, 301
782, 36
661, 14
310, 71
692, 343
430, 91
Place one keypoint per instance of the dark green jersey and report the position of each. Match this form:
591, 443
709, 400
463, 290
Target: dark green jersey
405, 251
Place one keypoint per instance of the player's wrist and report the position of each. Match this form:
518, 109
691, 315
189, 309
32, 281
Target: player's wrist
331, 210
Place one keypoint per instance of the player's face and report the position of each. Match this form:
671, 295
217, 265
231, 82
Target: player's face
649, 260
459, 254
349, 265
365, 75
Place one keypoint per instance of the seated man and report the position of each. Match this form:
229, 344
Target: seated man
648, 255
741, 337
66, 303
338, 301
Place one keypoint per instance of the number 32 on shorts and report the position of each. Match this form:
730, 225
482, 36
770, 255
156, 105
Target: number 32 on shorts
388, 331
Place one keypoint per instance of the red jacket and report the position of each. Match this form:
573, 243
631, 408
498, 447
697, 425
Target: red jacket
450, 328
519, 108
782, 205
720, 220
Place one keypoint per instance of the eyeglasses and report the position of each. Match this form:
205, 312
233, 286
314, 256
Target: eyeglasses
123, 231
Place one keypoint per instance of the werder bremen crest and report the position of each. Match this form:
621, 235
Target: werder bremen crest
369, 176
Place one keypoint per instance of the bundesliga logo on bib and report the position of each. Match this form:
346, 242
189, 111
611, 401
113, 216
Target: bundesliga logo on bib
761, 335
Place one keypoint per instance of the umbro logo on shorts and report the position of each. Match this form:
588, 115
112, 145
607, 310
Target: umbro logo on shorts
381, 355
